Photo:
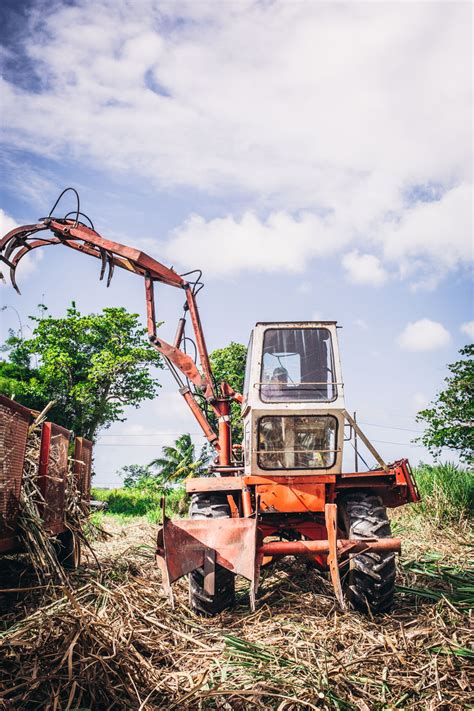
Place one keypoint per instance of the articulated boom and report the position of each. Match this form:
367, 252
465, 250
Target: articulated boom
76, 235
289, 486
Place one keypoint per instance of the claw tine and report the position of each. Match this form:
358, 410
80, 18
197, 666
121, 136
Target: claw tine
10, 247
13, 280
111, 270
103, 257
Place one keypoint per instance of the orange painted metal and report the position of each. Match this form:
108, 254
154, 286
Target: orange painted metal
225, 434
229, 391
232, 542
234, 509
330, 513
200, 417
221, 483
179, 332
291, 498
344, 545
246, 502
201, 344
150, 306
289, 479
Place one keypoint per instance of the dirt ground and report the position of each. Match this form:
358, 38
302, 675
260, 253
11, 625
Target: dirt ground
112, 642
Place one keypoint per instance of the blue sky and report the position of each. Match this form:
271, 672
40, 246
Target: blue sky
314, 159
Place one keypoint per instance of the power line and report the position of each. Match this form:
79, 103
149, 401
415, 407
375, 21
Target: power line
148, 434
378, 441
389, 427
402, 444
199, 434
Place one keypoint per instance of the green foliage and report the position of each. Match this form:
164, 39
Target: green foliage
135, 476
180, 462
228, 364
92, 366
450, 420
447, 492
137, 502
437, 580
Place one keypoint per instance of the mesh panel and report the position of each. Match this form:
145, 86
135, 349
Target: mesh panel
14, 421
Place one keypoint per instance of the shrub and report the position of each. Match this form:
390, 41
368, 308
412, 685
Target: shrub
447, 491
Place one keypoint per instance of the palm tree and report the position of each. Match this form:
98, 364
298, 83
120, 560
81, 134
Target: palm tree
180, 462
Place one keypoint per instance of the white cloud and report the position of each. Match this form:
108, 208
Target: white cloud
468, 329
423, 335
303, 108
226, 245
432, 237
364, 269
7, 223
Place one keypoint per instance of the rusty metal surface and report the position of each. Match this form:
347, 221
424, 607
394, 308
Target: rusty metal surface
14, 422
82, 467
53, 471
184, 543
397, 486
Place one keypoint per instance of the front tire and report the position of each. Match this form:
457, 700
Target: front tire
370, 580
211, 506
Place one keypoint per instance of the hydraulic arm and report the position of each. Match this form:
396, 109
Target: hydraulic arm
194, 385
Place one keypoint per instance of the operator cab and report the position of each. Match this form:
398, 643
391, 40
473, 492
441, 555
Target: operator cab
293, 399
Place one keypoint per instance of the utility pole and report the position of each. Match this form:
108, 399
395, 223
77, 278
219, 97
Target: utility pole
356, 453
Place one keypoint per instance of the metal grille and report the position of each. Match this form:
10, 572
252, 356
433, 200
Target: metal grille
14, 422
53, 474
83, 466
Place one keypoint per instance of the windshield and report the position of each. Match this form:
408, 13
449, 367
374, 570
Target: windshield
294, 442
297, 364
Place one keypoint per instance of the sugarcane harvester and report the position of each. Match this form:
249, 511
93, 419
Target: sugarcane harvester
281, 492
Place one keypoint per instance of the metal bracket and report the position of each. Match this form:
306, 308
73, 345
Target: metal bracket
209, 571
330, 513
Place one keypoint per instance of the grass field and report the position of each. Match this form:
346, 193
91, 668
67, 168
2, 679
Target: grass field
132, 502
110, 640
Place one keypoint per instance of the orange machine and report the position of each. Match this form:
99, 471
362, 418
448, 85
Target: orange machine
288, 494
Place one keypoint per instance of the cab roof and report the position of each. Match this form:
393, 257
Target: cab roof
293, 323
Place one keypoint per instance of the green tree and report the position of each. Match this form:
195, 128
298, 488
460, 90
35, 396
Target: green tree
92, 365
135, 475
228, 364
450, 419
180, 462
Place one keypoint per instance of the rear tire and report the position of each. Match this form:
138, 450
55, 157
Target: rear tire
370, 581
210, 506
